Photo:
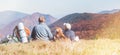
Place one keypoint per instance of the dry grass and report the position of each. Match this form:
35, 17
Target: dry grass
82, 47
112, 31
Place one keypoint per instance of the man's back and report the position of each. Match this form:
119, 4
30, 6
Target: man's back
41, 32
70, 34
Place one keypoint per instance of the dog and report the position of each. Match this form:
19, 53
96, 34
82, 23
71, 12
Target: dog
59, 34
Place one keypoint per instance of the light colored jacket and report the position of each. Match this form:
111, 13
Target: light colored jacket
41, 32
70, 34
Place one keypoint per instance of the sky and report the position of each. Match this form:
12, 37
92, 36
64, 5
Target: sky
59, 8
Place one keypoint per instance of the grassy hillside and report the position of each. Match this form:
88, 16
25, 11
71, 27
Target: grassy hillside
112, 30
90, 25
83, 47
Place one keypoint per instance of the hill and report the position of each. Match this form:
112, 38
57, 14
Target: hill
112, 30
30, 21
10, 16
88, 25
109, 11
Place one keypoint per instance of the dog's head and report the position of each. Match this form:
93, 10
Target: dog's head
59, 33
58, 30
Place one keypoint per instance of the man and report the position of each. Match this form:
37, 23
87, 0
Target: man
41, 31
68, 32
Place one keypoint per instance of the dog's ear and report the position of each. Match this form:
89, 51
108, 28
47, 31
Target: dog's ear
58, 29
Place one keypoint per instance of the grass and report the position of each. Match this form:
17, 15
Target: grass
82, 47
112, 31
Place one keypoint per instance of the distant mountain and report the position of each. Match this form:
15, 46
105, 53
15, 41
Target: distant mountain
86, 25
73, 18
30, 21
9, 16
110, 11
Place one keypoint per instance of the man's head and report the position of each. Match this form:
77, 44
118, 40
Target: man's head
41, 19
67, 26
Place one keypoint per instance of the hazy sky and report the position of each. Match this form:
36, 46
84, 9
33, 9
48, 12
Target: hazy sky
58, 8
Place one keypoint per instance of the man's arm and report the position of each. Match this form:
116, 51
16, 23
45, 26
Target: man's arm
50, 35
33, 34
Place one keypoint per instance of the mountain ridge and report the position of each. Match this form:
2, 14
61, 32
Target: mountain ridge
30, 21
110, 11
9, 16
86, 25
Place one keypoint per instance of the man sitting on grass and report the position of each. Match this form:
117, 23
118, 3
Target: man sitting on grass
69, 33
41, 31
